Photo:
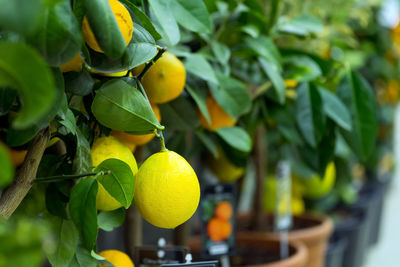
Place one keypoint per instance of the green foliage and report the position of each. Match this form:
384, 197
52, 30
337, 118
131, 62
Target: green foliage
108, 220
7, 172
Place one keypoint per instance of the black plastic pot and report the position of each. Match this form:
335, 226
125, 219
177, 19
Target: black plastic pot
334, 255
351, 226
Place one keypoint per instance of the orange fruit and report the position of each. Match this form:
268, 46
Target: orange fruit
124, 22
132, 140
116, 258
218, 229
165, 80
17, 156
219, 118
224, 210
75, 64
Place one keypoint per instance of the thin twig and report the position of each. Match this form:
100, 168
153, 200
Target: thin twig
160, 52
58, 178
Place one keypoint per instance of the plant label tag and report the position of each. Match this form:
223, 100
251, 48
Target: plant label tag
159, 255
283, 209
196, 264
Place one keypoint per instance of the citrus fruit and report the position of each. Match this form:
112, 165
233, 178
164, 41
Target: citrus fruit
17, 156
290, 83
298, 206
165, 80
75, 64
117, 258
167, 191
106, 148
132, 140
218, 229
316, 187
224, 169
110, 74
224, 210
219, 118
124, 22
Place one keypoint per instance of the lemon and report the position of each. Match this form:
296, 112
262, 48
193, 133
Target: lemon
124, 22
116, 258
315, 187
106, 148
165, 80
167, 191
224, 169
75, 64
219, 118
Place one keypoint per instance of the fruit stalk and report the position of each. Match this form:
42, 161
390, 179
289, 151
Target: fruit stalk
161, 51
58, 178
11, 198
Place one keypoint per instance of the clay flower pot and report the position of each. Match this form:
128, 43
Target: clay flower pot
254, 250
313, 231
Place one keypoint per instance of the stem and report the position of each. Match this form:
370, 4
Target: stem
160, 135
273, 14
142, 89
149, 64
57, 178
14, 195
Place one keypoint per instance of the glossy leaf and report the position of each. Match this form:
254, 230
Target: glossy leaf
199, 96
117, 99
207, 142
83, 159
105, 28
302, 25
120, 183
309, 114
166, 21
358, 96
265, 48
22, 16
83, 258
79, 83
197, 65
7, 98
335, 109
301, 68
179, 114
7, 169
66, 239
192, 15
32, 80
82, 208
271, 69
221, 52
236, 137
108, 220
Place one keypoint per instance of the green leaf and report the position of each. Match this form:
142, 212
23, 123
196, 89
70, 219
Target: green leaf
83, 159
59, 38
302, 25
69, 122
22, 16
179, 114
143, 19
265, 48
83, 258
335, 109
56, 202
358, 96
309, 114
207, 142
192, 15
272, 71
32, 80
197, 65
79, 83
120, 183
7, 169
117, 99
82, 208
301, 68
221, 52
236, 137
108, 220
66, 239
167, 23
231, 95
7, 98
105, 28
199, 96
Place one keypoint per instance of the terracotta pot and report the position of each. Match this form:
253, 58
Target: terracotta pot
314, 231
260, 248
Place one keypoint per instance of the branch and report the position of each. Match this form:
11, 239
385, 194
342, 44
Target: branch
11, 198
148, 65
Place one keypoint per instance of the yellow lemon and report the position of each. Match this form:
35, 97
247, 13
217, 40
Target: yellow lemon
167, 191
132, 140
224, 169
75, 64
106, 148
124, 22
219, 118
165, 80
315, 187
117, 258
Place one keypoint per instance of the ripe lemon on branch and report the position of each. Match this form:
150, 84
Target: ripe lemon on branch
124, 22
219, 118
167, 191
132, 140
165, 80
225, 170
106, 148
316, 186
117, 258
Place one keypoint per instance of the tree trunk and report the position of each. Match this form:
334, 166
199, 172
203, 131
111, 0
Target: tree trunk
260, 156
23, 181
